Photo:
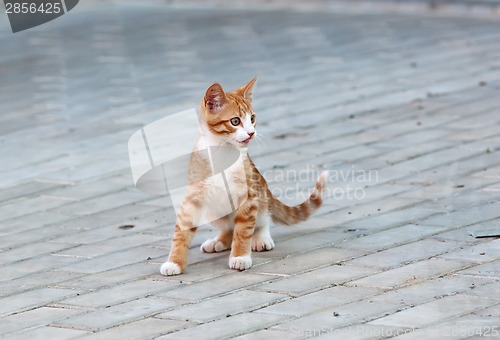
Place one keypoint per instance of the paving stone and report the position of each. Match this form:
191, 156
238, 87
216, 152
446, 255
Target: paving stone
465, 217
332, 231
25, 237
34, 265
92, 236
118, 294
390, 238
311, 226
411, 252
218, 307
108, 278
36, 280
416, 150
228, 327
367, 209
426, 162
324, 299
316, 279
305, 242
26, 252
435, 311
42, 316
448, 187
410, 274
493, 311
86, 171
464, 234
112, 261
491, 269
126, 214
162, 202
109, 246
25, 189
32, 299
266, 333
432, 289
86, 190
71, 229
489, 290
24, 206
102, 203
212, 287
104, 318
322, 322
307, 261
139, 329
47, 332
27, 223
392, 218
482, 252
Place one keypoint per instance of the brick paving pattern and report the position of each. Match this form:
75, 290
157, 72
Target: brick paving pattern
413, 100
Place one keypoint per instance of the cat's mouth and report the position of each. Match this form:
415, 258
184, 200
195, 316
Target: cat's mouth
244, 142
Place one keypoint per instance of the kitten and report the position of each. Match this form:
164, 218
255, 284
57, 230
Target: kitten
227, 118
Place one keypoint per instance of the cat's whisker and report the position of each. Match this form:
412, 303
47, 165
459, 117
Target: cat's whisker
264, 142
259, 138
261, 141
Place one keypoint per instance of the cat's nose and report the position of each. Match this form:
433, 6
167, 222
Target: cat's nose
250, 134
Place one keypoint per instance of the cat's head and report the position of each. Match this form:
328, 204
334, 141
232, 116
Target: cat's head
228, 117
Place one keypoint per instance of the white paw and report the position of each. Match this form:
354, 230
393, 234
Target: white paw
169, 269
240, 262
262, 243
213, 246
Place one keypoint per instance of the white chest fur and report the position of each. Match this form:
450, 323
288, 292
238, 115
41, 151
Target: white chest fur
226, 190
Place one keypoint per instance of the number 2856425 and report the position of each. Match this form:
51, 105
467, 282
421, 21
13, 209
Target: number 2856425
32, 8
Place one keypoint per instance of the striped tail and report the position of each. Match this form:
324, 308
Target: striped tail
284, 214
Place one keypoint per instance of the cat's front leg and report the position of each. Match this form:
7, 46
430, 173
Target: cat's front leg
241, 248
188, 218
178, 257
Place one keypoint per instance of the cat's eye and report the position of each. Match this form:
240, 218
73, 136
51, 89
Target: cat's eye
252, 119
235, 121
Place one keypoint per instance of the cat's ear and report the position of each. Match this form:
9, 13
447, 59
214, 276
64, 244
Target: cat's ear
246, 90
215, 98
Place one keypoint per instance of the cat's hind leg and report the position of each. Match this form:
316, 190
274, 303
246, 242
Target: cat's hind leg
262, 240
223, 240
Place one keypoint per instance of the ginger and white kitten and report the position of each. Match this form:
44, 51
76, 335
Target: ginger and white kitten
227, 118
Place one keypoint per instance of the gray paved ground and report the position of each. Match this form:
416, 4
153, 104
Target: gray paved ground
412, 100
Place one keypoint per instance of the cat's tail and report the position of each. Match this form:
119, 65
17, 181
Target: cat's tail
284, 214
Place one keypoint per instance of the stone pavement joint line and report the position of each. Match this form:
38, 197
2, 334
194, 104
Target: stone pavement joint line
409, 101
